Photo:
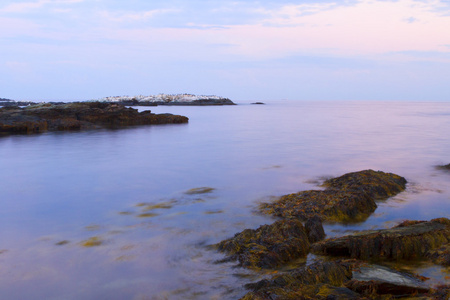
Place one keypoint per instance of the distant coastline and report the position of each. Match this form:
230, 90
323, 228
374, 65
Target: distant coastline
168, 99
141, 100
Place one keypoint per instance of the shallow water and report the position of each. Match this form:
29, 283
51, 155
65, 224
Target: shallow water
105, 214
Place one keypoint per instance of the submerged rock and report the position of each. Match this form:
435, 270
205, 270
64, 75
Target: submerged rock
407, 241
76, 116
269, 246
350, 197
444, 167
200, 190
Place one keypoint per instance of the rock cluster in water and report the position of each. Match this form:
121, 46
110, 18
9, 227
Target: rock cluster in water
350, 197
77, 116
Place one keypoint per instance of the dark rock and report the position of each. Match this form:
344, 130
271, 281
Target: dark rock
350, 197
441, 292
314, 229
76, 116
444, 167
305, 283
441, 255
371, 279
201, 102
259, 103
345, 279
403, 242
269, 246
8, 102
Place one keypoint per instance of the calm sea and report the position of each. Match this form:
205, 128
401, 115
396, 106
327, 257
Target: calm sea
105, 214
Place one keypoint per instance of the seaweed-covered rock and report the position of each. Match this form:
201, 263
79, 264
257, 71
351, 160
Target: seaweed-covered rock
441, 255
377, 280
269, 246
377, 184
314, 229
344, 279
76, 116
402, 242
329, 205
350, 197
310, 282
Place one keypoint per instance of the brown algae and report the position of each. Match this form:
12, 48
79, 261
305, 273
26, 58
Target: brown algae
92, 242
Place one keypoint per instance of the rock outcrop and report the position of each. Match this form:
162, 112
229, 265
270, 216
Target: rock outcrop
410, 240
350, 197
77, 116
269, 246
165, 99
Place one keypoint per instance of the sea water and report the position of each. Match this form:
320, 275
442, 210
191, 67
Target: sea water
106, 214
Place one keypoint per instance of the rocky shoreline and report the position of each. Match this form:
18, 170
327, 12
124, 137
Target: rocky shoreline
347, 267
77, 116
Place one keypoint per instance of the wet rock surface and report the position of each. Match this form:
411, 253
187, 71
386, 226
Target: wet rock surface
269, 246
370, 279
441, 255
314, 229
303, 283
411, 240
350, 197
77, 116
344, 279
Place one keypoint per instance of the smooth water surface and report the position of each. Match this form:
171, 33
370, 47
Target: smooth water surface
105, 214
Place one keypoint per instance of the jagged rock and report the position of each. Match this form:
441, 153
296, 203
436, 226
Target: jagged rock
314, 229
268, 246
402, 242
350, 197
76, 116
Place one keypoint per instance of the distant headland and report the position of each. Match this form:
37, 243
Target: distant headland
168, 99
152, 100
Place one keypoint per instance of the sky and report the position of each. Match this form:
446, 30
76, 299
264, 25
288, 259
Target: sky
243, 50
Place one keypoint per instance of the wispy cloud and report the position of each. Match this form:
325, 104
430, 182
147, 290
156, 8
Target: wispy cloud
23, 7
135, 16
